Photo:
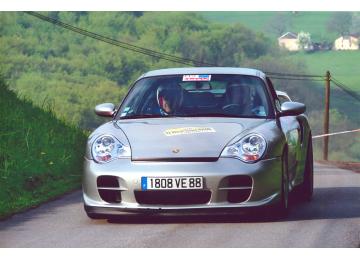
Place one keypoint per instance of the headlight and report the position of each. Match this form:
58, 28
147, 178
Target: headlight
248, 149
106, 148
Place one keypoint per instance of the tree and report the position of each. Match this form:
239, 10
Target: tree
304, 40
340, 22
355, 24
279, 24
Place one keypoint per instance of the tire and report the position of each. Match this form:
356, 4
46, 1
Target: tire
306, 189
281, 208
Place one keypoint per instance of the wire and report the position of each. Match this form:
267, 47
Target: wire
295, 75
336, 133
346, 89
121, 44
156, 54
289, 78
107, 40
339, 83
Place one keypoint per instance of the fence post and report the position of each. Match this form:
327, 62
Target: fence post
326, 115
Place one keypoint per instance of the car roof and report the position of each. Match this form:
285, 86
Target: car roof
205, 70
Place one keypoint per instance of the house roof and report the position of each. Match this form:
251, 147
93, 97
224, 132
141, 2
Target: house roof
289, 35
348, 37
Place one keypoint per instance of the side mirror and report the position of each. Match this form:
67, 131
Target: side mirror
105, 109
292, 109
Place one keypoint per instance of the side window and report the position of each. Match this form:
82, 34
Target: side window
278, 104
273, 94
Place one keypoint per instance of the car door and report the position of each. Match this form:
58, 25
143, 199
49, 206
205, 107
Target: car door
292, 131
291, 128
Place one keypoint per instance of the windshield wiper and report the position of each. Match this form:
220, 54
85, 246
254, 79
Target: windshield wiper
188, 115
146, 116
223, 115
210, 115
140, 116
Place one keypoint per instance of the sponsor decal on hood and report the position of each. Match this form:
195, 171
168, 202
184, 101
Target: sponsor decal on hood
188, 130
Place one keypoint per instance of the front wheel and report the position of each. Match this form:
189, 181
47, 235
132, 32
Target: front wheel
281, 209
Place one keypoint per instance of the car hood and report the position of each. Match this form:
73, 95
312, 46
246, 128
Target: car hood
178, 138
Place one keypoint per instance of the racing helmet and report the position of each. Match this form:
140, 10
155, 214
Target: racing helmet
172, 94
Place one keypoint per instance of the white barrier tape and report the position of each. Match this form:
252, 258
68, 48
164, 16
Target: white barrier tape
338, 133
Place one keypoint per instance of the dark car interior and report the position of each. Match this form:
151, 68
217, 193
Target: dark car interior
203, 99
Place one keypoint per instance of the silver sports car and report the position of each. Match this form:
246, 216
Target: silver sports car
198, 140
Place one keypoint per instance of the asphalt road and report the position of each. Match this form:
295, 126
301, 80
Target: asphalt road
332, 219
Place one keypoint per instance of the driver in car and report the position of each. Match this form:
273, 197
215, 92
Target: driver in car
237, 99
169, 99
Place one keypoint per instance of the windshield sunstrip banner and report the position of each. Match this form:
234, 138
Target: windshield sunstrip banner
202, 77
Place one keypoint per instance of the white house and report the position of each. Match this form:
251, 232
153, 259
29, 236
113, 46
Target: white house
346, 43
289, 41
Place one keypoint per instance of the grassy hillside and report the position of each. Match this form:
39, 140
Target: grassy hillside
255, 20
313, 22
40, 156
343, 65
41, 61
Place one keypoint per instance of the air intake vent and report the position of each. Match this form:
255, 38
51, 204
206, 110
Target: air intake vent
172, 197
110, 196
107, 181
240, 181
237, 196
238, 188
109, 189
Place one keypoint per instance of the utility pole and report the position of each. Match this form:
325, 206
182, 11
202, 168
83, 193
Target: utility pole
326, 115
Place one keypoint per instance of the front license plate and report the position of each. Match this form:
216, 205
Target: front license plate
171, 183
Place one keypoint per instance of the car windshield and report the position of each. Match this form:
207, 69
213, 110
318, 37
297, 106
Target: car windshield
215, 95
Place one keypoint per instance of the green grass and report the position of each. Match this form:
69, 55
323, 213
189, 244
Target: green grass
312, 22
40, 156
343, 65
253, 20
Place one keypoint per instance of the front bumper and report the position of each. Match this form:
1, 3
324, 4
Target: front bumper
265, 174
